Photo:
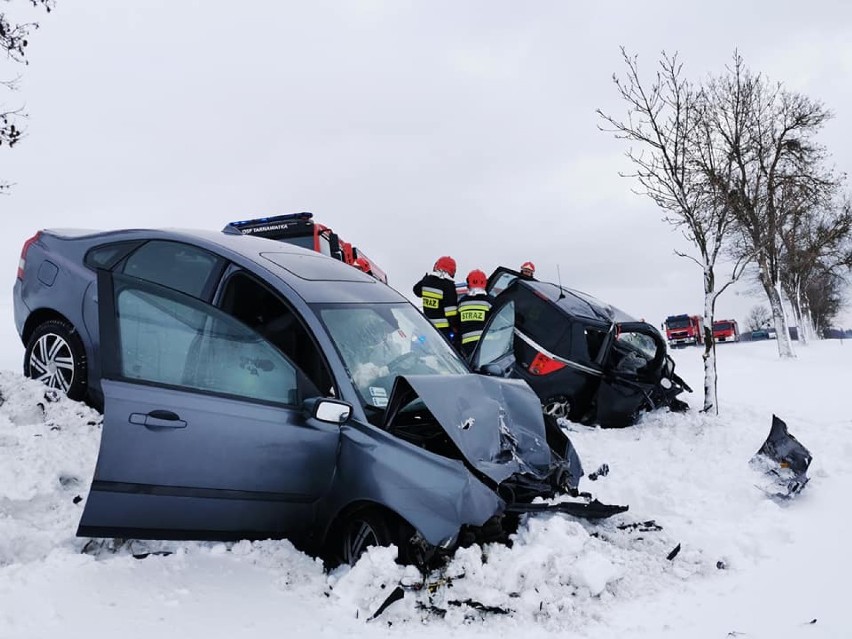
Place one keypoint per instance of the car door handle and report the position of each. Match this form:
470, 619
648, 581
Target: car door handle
158, 419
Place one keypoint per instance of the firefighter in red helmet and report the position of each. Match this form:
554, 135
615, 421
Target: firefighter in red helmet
474, 311
440, 301
528, 270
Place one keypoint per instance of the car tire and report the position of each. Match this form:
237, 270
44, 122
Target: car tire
372, 527
55, 355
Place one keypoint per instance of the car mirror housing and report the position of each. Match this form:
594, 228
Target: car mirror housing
493, 369
330, 411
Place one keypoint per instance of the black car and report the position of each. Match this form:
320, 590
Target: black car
586, 360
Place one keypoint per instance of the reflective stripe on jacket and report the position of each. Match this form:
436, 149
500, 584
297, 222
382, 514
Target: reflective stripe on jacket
440, 302
474, 311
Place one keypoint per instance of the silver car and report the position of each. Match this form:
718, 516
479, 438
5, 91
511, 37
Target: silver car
254, 389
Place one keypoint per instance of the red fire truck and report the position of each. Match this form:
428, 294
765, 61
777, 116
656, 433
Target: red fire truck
726, 331
301, 230
684, 329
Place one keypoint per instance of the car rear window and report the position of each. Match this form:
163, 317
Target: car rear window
178, 266
108, 255
541, 321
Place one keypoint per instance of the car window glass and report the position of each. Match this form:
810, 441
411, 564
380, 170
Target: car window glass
379, 342
266, 313
541, 321
639, 342
168, 338
176, 265
502, 283
594, 341
678, 323
324, 245
497, 340
305, 241
633, 352
108, 255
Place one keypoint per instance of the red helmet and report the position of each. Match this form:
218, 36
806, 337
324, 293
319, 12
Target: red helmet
446, 264
476, 279
362, 264
528, 266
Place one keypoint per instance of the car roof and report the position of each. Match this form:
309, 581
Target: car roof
576, 303
316, 278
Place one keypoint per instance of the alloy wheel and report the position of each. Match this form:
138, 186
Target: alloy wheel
359, 536
52, 362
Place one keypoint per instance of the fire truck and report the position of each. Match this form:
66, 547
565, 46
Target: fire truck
301, 229
726, 331
684, 329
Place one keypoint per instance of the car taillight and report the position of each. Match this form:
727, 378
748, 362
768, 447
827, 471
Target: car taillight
544, 365
23, 261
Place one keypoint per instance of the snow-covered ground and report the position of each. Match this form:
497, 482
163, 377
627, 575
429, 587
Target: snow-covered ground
747, 566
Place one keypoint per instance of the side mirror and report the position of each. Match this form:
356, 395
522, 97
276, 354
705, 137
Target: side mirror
492, 369
330, 411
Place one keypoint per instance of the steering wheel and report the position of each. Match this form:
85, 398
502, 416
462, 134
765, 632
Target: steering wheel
403, 363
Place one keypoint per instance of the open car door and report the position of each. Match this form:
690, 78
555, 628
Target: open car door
203, 432
500, 280
494, 354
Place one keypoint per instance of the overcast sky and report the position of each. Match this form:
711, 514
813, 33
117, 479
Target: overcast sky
414, 129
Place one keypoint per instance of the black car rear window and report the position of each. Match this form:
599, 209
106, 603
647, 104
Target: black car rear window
541, 320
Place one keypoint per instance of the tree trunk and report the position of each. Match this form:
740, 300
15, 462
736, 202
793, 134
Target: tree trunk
772, 288
711, 403
809, 318
779, 318
801, 317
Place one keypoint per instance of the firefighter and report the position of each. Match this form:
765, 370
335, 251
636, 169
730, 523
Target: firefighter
440, 302
474, 311
528, 271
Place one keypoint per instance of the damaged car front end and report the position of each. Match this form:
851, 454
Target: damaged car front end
472, 452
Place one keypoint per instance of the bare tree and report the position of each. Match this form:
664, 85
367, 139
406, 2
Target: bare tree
825, 299
817, 243
768, 132
758, 317
668, 122
14, 39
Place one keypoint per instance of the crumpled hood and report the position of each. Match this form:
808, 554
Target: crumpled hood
496, 423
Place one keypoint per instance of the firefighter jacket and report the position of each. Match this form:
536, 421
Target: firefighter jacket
474, 311
440, 303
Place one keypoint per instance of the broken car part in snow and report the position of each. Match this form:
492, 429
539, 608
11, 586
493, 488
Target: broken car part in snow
602, 471
783, 460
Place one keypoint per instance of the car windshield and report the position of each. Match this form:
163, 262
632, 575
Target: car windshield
677, 323
722, 326
379, 342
